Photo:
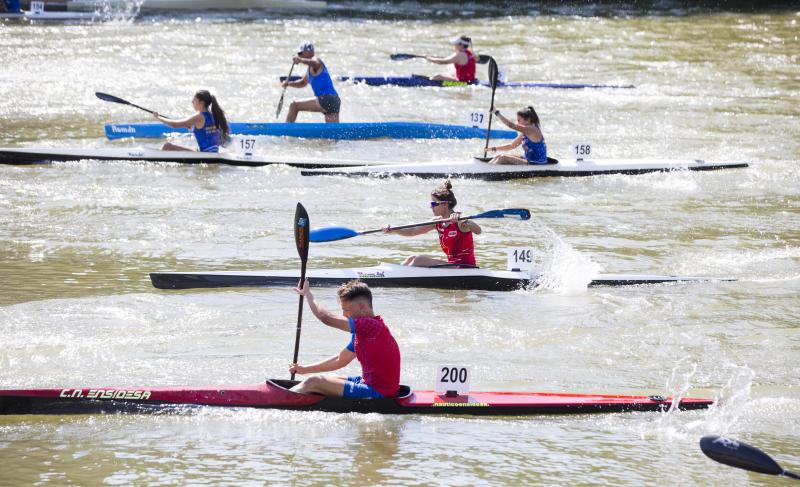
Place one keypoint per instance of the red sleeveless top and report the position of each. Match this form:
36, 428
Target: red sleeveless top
456, 244
467, 71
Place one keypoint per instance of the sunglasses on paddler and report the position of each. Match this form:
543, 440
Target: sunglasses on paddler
434, 204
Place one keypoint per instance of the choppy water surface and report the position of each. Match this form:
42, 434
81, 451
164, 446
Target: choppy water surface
78, 240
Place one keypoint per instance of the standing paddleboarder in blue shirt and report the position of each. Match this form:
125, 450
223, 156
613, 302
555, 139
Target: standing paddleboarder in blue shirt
530, 137
209, 125
12, 6
326, 99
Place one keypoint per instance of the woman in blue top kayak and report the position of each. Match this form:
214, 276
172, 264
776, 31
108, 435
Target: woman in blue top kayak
326, 99
530, 137
209, 125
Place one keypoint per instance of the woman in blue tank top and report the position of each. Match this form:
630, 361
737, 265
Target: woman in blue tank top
530, 138
209, 125
325, 100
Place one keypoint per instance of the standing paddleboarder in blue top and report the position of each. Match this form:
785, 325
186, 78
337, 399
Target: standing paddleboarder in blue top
12, 6
326, 99
209, 125
530, 137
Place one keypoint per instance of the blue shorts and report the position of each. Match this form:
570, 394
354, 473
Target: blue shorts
354, 386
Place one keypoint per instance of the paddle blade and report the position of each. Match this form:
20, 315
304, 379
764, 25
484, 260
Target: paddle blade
331, 234
402, 56
521, 213
483, 59
111, 98
493, 74
739, 455
301, 230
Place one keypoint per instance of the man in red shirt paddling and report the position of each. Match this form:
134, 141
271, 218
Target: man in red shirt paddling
371, 343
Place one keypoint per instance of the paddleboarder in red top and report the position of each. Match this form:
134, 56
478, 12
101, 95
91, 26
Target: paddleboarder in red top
463, 58
371, 343
455, 237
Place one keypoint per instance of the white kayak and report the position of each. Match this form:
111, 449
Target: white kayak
148, 5
395, 275
50, 16
23, 156
477, 169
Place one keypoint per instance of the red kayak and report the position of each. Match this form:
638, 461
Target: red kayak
274, 394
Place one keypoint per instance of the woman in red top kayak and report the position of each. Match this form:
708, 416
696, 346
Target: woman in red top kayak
371, 343
455, 236
463, 59
530, 138
209, 125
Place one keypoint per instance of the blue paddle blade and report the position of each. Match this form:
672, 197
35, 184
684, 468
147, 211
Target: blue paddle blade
331, 234
520, 213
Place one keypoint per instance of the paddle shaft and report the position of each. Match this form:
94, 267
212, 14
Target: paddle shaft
283, 93
481, 59
301, 240
493, 75
115, 99
299, 315
414, 225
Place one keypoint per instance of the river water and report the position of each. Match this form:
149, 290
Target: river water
78, 239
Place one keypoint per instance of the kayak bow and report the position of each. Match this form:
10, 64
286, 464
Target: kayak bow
274, 394
33, 155
476, 169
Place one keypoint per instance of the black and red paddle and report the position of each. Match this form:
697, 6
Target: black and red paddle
301, 231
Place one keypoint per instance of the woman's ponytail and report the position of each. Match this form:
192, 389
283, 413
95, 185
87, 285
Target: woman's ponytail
220, 119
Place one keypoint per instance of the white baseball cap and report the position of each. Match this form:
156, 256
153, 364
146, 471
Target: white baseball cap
305, 47
461, 41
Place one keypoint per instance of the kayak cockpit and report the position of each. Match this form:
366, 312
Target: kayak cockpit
403, 391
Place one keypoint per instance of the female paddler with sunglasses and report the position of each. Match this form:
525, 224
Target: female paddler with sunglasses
530, 137
455, 236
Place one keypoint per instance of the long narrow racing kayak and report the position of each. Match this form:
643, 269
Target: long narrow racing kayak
23, 156
337, 131
416, 81
50, 16
275, 394
195, 5
394, 275
476, 169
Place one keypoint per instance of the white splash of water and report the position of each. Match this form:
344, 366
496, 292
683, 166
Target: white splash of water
564, 269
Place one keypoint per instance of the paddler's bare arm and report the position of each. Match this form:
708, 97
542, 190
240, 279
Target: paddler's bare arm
195, 121
332, 363
456, 58
410, 232
513, 145
470, 226
531, 131
314, 63
329, 318
297, 84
